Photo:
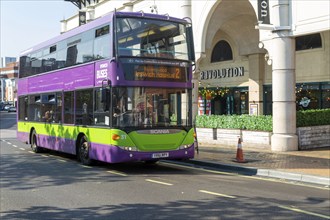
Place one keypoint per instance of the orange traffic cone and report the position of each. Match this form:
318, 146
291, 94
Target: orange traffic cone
239, 153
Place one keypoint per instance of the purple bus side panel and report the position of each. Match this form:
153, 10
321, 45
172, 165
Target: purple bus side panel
57, 144
103, 71
67, 79
22, 86
23, 136
50, 142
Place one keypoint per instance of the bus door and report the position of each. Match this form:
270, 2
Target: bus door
178, 108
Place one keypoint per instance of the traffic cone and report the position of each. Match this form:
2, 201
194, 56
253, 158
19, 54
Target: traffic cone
239, 153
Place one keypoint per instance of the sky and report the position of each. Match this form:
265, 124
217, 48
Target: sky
25, 23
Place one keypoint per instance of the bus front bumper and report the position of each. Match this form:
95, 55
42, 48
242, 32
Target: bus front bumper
114, 154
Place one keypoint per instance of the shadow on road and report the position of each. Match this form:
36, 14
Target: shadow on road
216, 208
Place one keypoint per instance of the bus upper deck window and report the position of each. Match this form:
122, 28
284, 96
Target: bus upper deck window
52, 49
102, 31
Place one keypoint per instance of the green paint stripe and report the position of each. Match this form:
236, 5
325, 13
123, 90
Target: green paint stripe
104, 135
95, 135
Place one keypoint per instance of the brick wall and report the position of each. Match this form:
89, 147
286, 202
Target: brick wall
308, 137
313, 137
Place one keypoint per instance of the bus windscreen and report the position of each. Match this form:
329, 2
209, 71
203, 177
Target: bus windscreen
151, 107
151, 38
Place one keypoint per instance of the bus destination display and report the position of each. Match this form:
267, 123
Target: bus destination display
149, 72
143, 70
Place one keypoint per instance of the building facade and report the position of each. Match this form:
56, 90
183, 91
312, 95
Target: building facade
5, 60
252, 56
8, 85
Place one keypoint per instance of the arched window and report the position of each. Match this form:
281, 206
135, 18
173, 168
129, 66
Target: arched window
308, 42
221, 52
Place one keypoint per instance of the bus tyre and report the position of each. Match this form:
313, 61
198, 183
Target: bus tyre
34, 144
83, 151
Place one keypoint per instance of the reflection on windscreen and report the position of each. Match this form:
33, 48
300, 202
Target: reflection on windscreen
150, 107
151, 38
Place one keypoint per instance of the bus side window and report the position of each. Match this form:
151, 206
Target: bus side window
34, 108
48, 109
84, 107
71, 56
68, 107
101, 108
25, 66
58, 108
102, 45
23, 107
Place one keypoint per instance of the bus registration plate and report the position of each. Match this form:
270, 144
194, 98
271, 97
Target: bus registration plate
160, 155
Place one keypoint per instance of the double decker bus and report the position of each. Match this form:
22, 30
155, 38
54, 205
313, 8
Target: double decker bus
117, 89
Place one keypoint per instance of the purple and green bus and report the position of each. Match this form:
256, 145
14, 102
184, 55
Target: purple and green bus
117, 89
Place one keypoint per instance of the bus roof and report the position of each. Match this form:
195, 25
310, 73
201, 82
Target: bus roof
97, 22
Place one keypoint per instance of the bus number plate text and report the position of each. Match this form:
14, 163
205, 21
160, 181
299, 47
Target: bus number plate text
160, 155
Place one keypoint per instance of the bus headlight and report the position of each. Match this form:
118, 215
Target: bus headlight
128, 148
184, 146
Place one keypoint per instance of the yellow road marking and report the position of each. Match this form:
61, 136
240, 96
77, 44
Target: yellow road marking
303, 211
117, 173
22, 149
159, 182
217, 194
31, 152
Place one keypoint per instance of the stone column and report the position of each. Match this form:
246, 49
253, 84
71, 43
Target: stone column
186, 13
284, 136
186, 8
128, 7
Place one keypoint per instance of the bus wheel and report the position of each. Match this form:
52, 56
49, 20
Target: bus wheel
83, 151
34, 144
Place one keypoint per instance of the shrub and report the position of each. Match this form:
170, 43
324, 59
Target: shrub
313, 117
248, 122
305, 118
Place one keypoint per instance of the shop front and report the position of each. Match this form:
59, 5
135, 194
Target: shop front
223, 101
311, 95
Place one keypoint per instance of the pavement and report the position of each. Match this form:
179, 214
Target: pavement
309, 166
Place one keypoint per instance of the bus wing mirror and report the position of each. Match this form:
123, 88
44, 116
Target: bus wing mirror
105, 98
105, 91
190, 41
